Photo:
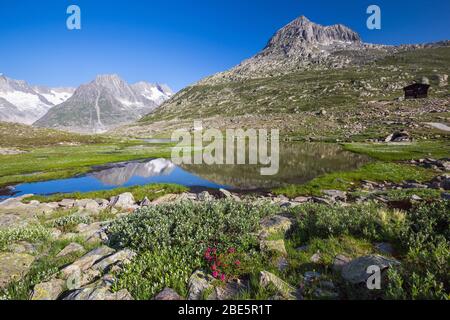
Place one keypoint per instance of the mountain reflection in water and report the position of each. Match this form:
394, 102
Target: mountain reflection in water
121, 174
299, 163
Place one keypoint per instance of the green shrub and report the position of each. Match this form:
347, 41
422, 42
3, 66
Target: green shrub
172, 240
367, 221
191, 226
425, 271
68, 223
153, 271
30, 233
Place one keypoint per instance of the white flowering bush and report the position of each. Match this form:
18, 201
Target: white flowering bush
172, 239
32, 233
190, 226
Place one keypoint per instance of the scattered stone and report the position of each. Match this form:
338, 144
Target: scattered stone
70, 249
11, 220
99, 293
13, 266
92, 206
339, 262
385, 248
311, 276
446, 183
50, 290
316, 257
273, 246
414, 185
87, 260
302, 199
103, 203
87, 204
52, 205
336, 194
94, 232
229, 195
399, 136
322, 200
355, 271
442, 80
79, 279
282, 263
22, 247
229, 291
276, 224
121, 257
205, 196
198, 283
187, 196
146, 202
168, 294
14, 203
122, 201
67, 203
425, 80
284, 289
75, 279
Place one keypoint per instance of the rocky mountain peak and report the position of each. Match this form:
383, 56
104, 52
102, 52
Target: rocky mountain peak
299, 45
111, 81
302, 33
101, 78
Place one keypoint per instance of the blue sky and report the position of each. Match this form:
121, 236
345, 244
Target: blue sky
180, 41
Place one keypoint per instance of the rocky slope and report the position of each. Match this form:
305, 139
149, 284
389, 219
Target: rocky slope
301, 45
106, 102
21, 103
308, 72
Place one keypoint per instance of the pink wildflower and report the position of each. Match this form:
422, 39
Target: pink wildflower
215, 274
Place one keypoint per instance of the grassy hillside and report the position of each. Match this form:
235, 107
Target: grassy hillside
23, 136
355, 103
310, 90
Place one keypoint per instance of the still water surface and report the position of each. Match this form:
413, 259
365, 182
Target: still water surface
299, 163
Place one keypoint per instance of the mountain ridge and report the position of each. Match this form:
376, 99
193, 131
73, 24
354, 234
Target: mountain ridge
23, 103
304, 45
104, 103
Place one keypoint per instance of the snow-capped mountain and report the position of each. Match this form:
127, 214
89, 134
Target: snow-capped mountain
105, 103
19, 102
157, 93
55, 95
